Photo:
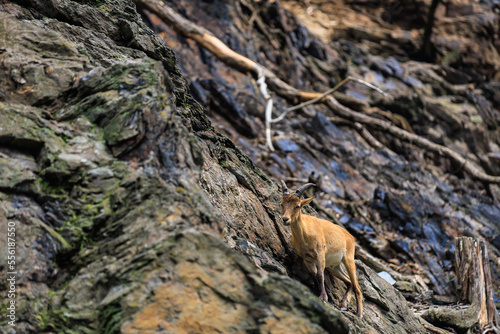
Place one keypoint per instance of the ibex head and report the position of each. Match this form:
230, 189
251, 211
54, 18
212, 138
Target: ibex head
291, 204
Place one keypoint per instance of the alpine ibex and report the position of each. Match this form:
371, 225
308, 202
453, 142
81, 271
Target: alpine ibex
321, 244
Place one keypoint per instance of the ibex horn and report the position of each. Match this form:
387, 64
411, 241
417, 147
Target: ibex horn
284, 188
301, 190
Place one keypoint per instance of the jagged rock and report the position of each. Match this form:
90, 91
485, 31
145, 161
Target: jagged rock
204, 287
385, 307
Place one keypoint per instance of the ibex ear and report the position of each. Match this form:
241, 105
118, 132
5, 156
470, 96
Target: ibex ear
306, 201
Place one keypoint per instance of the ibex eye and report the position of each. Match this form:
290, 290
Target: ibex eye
297, 207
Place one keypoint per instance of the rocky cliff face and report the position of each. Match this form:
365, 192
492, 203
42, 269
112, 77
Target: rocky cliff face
139, 210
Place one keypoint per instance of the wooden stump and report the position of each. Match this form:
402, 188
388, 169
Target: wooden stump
474, 278
475, 288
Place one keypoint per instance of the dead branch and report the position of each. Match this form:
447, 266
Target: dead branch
325, 94
220, 50
368, 137
246, 65
430, 327
330, 91
261, 82
394, 118
316, 100
491, 330
343, 111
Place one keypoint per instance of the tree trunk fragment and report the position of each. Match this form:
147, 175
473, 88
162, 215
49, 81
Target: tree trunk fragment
476, 291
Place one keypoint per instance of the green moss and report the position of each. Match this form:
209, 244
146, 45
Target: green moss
180, 190
120, 168
110, 318
114, 131
95, 205
86, 241
83, 51
451, 57
51, 189
53, 233
72, 228
52, 319
58, 168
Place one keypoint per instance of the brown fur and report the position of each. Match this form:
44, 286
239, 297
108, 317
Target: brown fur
319, 241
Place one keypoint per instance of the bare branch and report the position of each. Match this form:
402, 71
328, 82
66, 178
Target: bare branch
325, 94
281, 88
345, 112
261, 82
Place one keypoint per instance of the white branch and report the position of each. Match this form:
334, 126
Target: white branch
261, 82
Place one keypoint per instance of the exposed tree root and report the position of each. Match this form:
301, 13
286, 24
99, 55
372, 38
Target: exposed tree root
394, 118
208, 41
320, 98
430, 327
412, 138
220, 50
367, 136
